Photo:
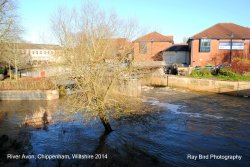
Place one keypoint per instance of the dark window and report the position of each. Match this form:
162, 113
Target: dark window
36, 52
205, 45
41, 52
143, 47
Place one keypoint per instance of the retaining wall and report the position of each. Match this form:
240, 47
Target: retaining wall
29, 94
237, 88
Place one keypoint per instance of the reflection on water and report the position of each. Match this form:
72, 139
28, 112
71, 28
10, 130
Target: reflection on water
186, 123
38, 119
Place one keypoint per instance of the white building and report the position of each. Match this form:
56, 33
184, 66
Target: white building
177, 54
40, 53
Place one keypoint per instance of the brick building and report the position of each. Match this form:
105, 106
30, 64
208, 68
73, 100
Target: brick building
147, 48
219, 43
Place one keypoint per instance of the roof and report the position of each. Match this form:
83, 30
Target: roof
37, 46
156, 37
224, 31
120, 42
178, 47
31, 46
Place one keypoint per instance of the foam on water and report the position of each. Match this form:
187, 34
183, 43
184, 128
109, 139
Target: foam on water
178, 109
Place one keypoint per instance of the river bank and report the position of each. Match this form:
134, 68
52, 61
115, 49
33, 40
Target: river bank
187, 122
235, 88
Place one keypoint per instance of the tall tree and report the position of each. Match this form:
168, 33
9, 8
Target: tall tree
9, 34
96, 58
13, 55
9, 27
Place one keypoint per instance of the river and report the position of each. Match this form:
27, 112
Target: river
187, 124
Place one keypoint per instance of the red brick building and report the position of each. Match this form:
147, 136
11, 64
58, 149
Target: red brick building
147, 48
219, 43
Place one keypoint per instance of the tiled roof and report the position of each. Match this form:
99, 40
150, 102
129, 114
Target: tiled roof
120, 42
178, 47
155, 37
224, 31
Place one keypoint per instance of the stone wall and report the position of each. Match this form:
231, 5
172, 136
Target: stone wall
29, 94
237, 88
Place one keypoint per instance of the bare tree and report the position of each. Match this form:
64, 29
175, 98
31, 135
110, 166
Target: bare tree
96, 58
13, 55
9, 27
9, 34
185, 39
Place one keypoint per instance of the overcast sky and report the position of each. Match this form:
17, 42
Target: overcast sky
180, 18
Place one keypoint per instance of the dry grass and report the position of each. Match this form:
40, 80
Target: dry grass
28, 84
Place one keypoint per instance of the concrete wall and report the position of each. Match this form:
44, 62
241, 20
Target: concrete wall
208, 85
130, 87
29, 95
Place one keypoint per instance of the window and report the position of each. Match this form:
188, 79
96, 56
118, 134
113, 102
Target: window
205, 45
41, 52
33, 52
143, 47
36, 52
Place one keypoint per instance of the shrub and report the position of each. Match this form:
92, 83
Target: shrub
1, 70
29, 84
62, 91
227, 72
209, 65
206, 73
240, 64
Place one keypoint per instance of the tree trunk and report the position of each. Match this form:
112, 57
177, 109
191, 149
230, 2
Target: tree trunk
10, 71
105, 123
16, 71
15, 67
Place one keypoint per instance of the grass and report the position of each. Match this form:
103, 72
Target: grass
223, 74
27, 84
235, 78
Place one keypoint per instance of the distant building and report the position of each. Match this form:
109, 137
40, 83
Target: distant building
40, 53
121, 49
121, 46
177, 54
32, 53
218, 43
148, 47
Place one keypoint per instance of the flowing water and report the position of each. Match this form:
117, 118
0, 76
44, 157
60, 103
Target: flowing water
186, 123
